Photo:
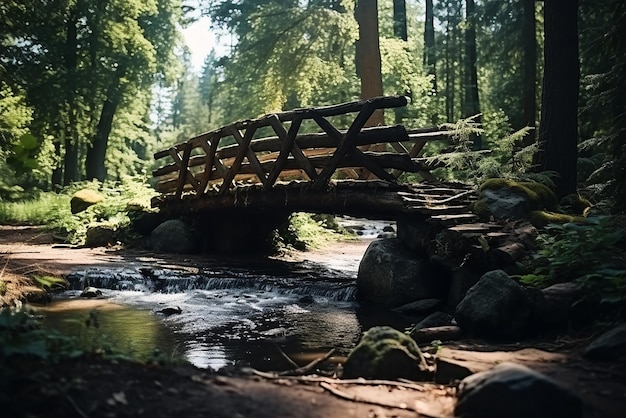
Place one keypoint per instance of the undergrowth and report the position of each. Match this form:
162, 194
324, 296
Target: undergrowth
53, 209
590, 254
306, 231
22, 336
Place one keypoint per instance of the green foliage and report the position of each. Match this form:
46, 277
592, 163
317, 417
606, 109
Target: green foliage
119, 198
306, 231
49, 282
21, 335
590, 254
53, 209
40, 209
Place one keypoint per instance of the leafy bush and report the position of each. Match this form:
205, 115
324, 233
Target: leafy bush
53, 209
505, 158
306, 231
590, 254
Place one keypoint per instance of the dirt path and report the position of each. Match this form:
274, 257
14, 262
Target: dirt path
102, 389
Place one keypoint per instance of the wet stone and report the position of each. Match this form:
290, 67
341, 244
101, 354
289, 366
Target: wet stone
514, 391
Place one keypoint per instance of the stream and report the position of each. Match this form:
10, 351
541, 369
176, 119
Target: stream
233, 312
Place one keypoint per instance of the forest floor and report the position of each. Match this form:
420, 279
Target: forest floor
93, 387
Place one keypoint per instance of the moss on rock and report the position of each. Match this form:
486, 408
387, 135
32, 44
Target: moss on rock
539, 194
84, 198
575, 203
385, 353
540, 218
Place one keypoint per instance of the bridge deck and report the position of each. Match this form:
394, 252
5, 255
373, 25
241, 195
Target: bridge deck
351, 171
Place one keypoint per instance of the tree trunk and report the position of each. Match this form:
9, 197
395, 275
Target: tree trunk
471, 103
71, 172
70, 160
529, 45
558, 131
368, 55
57, 172
399, 19
95, 166
430, 57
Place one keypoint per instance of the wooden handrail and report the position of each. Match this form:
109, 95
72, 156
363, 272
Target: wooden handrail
199, 164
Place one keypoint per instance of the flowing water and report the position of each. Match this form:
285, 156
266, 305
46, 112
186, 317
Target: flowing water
232, 312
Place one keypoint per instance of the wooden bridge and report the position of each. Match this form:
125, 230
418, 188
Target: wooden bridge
353, 171
267, 168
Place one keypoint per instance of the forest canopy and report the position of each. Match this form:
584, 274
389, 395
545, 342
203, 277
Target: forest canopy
90, 89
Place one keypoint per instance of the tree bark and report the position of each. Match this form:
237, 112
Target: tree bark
529, 76
368, 55
471, 103
95, 164
71, 171
399, 19
430, 59
558, 133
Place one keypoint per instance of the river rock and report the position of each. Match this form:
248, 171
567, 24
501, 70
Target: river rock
385, 353
84, 198
420, 307
505, 203
389, 275
497, 306
172, 236
514, 391
609, 346
100, 235
554, 305
436, 319
91, 292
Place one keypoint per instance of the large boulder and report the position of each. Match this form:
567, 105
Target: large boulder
497, 306
389, 275
609, 346
385, 353
100, 235
173, 236
435, 319
514, 391
84, 198
509, 199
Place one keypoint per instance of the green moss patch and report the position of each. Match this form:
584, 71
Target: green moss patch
539, 194
541, 218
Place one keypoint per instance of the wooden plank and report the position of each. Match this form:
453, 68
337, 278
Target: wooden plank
250, 155
475, 227
367, 136
289, 146
385, 102
210, 147
184, 175
346, 143
234, 168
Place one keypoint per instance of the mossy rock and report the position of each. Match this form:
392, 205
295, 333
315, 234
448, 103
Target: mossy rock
100, 235
385, 353
574, 203
138, 205
84, 198
541, 218
539, 194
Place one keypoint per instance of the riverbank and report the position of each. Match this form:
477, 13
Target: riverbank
88, 386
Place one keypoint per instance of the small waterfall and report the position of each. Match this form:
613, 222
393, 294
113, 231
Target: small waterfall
176, 281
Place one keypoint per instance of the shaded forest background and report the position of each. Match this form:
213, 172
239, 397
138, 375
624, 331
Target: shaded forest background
90, 89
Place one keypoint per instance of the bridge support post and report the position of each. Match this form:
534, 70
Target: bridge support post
236, 231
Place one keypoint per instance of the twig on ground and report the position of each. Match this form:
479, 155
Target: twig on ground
355, 398
286, 357
77, 409
317, 379
307, 368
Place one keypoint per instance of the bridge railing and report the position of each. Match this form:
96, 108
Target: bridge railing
201, 166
